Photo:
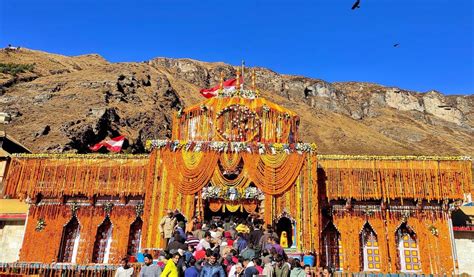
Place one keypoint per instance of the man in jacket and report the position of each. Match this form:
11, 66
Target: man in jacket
149, 269
167, 225
281, 268
211, 268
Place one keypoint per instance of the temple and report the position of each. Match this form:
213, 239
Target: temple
238, 153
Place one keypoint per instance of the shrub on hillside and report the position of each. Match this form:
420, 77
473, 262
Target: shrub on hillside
15, 69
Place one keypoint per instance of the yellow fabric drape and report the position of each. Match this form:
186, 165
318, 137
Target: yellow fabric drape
233, 207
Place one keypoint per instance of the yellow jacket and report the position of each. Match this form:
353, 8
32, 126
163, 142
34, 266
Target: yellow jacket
170, 269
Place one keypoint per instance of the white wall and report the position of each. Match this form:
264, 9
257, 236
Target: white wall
11, 238
465, 249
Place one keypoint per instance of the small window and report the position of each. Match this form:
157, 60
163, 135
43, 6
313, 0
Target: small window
370, 249
135, 237
408, 253
103, 239
70, 241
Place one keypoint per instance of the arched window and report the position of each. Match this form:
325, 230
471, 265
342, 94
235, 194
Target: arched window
69, 241
408, 253
102, 242
332, 248
370, 249
134, 237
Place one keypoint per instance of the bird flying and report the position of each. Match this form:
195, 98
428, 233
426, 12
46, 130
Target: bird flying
396, 44
356, 5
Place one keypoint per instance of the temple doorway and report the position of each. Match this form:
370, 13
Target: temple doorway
286, 230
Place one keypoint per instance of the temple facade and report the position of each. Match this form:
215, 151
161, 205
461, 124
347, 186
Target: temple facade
240, 153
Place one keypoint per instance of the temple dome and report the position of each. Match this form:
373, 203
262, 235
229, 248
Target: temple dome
242, 118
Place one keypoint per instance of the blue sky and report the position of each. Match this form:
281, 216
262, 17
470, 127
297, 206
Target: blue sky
316, 38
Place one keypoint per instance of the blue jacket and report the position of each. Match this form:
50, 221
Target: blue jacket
191, 272
215, 270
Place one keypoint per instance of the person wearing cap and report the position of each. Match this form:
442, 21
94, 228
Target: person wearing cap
228, 238
171, 270
167, 224
200, 253
149, 269
191, 240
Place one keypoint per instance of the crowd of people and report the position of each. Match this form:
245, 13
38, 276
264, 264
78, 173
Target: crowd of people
220, 248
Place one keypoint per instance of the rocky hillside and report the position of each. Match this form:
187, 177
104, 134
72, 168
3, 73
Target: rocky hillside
64, 104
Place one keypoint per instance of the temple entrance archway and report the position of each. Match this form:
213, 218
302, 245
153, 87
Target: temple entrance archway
286, 225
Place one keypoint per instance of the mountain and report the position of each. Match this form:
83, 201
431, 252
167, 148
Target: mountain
63, 104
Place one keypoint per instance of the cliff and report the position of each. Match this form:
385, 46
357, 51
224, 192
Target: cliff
65, 104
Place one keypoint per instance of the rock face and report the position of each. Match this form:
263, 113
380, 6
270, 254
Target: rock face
66, 104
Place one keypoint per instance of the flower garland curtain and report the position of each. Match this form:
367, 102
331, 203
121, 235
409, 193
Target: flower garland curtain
230, 161
219, 180
191, 170
43, 246
55, 176
162, 195
273, 174
365, 179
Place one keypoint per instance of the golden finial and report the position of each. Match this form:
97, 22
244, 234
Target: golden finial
237, 84
221, 83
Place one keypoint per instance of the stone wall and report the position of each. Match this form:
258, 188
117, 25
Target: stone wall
11, 237
465, 248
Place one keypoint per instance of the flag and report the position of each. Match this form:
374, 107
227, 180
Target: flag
227, 86
114, 144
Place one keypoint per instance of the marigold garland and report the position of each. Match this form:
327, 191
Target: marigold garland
391, 179
43, 246
55, 177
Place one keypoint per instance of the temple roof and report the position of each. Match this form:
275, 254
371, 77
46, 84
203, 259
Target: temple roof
237, 119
